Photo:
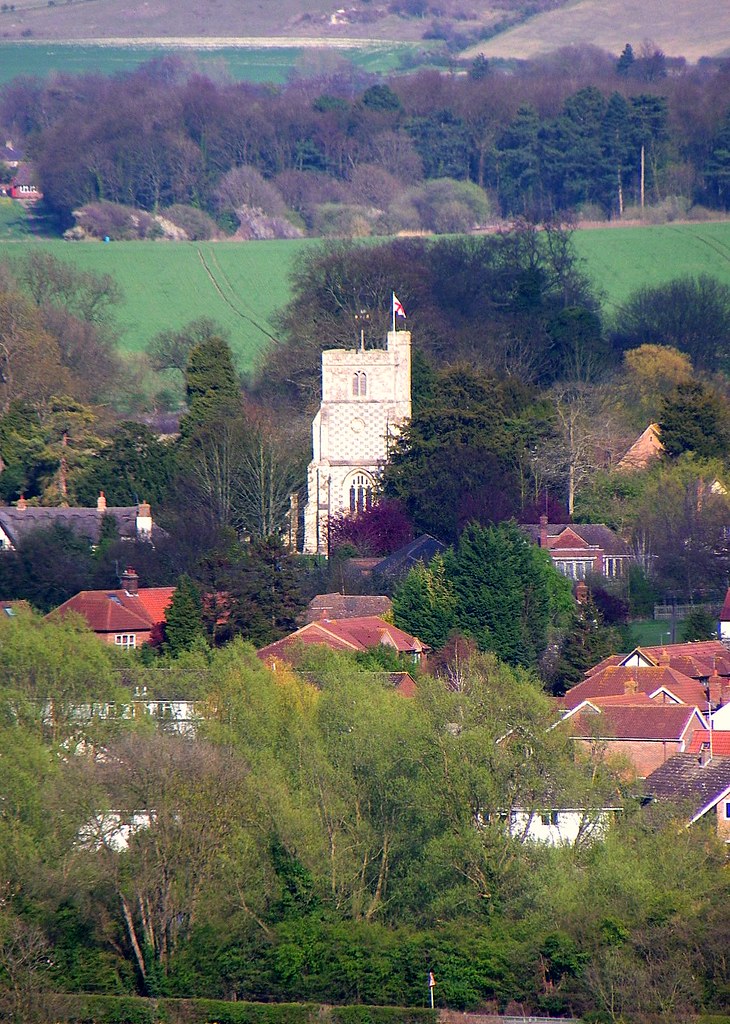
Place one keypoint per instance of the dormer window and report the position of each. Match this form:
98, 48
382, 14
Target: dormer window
359, 384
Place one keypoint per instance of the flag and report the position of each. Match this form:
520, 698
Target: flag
398, 307
431, 980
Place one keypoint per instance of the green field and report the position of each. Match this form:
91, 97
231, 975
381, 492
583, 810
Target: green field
242, 284
272, 65
166, 285
620, 260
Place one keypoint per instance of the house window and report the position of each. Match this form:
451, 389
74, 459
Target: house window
361, 493
573, 568
549, 819
360, 384
727, 810
125, 640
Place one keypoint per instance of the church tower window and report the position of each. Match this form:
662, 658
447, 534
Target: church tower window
361, 493
359, 383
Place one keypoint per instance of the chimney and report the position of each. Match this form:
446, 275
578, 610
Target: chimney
129, 580
543, 531
581, 592
101, 502
144, 521
21, 503
706, 751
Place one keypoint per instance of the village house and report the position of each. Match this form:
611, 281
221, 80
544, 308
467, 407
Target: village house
133, 522
644, 734
126, 617
579, 550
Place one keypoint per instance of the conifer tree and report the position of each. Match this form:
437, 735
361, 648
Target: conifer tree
184, 618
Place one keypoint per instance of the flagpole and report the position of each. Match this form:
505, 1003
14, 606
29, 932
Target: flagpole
392, 306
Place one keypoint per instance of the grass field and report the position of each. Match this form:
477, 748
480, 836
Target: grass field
273, 65
166, 285
620, 260
242, 284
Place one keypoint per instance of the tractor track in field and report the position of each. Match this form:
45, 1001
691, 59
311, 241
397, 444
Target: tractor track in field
239, 313
722, 250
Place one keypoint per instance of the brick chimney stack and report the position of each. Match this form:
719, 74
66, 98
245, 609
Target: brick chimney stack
543, 531
101, 502
22, 504
130, 580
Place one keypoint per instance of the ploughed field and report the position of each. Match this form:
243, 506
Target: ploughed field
242, 284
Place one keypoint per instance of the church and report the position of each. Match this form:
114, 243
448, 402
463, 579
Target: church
366, 398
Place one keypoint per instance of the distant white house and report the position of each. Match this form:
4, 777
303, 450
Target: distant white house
559, 826
112, 830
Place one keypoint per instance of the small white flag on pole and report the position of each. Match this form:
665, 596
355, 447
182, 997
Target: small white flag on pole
397, 309
431, 986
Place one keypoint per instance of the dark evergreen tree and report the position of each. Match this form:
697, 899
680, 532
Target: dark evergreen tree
184, 618
695, 419
626, 60
699, 625
211, 384
424, 604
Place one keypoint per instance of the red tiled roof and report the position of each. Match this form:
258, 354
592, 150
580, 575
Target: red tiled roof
660, 722
720, 742
357, 634
115, 611
698, 658
616, 680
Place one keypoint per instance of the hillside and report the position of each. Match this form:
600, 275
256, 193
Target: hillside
246, 22
691, 30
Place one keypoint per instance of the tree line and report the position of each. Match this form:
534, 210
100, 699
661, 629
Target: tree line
348, 154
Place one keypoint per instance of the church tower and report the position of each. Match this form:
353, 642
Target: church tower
366, 398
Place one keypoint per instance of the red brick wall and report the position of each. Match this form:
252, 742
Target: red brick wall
644, 755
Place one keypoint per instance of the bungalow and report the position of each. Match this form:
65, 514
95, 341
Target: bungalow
582, 549
124, 617
364, 633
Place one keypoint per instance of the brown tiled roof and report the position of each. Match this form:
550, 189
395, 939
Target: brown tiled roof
117, 611
357, 634
615, 680
346, 606
720, 742
648, 722
683, 780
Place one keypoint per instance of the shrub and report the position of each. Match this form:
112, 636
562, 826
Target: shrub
196, 224
112, 220
447, 206
336, 220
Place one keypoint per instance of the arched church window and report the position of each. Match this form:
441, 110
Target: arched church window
359, 383
361, 493
356, 384
363, 383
